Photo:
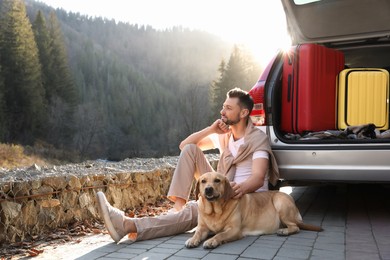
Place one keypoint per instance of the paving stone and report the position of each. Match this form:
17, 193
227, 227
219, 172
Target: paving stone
141, 246
264, 253
283, 258
328, 254
151, 256
351, 255
169, 251
129, 250
296, 246
299, 241
169, 245
213, 256
176, 241
330, 228
92, 255
385, 254
235, 247
111, 258
117, 255
180, 258
273, 238
314, 257
330, 246
112, 247
337, 238
152, 242
267, 243
298, 253
192, 253
306, 234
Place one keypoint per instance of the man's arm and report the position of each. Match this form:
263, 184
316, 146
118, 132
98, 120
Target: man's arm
255, 181
201, 139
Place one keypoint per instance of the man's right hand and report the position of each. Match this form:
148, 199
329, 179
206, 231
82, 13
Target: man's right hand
220, 127
200, 138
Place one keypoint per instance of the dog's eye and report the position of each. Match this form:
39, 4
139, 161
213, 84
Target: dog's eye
203, 181
217, 180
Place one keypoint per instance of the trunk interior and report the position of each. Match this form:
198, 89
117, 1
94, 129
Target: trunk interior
371, 53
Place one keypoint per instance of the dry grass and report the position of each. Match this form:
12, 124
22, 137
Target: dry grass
13, 156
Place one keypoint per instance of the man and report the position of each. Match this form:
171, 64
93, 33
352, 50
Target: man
246, 159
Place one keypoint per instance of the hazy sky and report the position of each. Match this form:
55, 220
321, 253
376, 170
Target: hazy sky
259, 24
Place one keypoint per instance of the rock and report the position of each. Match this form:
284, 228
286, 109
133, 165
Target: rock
34, 167
10, 212
29, 215
20, 189
57, 183
50, 203
73, 183
45, 192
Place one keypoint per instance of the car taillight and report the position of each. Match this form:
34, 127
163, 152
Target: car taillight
257, 94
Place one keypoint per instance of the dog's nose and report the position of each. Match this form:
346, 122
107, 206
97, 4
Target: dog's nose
209, 190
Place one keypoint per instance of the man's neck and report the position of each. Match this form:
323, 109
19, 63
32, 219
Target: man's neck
238, 130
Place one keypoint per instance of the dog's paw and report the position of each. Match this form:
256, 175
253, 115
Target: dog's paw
192, 242
282, 232
210, 244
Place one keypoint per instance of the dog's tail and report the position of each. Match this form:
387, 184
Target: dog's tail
309, 227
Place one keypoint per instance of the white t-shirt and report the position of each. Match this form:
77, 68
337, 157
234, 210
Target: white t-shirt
243, 169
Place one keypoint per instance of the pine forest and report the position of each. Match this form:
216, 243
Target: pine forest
100, 88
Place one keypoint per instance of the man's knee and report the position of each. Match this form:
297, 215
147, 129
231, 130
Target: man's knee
190, 149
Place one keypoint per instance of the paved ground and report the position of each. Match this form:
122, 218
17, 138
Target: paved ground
355, 218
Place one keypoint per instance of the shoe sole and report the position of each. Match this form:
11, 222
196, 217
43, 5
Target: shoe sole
101, 201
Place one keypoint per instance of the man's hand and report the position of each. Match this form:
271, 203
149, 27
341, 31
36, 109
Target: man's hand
220, 127
238, 191
201, 139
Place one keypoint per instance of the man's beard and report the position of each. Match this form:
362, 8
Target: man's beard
231, 122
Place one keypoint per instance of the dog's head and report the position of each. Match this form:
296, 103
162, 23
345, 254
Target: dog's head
213, 186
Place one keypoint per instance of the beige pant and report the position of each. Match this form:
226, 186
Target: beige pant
192, 163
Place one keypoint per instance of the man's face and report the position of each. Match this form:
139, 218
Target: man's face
230, 113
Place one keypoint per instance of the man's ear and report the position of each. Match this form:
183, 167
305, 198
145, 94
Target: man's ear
244, 112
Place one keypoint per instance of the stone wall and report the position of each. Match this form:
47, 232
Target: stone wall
37, 200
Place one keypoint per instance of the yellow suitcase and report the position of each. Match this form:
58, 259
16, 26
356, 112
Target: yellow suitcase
363, 98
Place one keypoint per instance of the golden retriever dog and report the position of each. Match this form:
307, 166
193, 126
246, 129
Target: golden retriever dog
229, 219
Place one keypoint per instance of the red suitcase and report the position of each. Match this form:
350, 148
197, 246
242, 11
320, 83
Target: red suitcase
309, 88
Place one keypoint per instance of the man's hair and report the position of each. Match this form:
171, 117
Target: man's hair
245, 100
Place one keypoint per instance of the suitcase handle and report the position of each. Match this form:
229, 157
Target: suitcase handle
289, 88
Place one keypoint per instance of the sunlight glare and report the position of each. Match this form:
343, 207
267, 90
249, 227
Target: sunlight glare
258, 25
286, 189
263, 53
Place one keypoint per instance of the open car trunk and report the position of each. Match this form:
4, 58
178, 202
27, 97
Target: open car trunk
358, 57
360, 30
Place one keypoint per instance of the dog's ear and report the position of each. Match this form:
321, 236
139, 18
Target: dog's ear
228, 190
197, 189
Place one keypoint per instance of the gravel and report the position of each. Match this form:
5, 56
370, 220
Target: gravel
90, 167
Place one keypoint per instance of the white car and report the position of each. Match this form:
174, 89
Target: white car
344, 127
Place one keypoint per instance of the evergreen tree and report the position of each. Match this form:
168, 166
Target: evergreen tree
241, 71
21, 71
2, 106
42, 39
65, 87
217, 91
57, 80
